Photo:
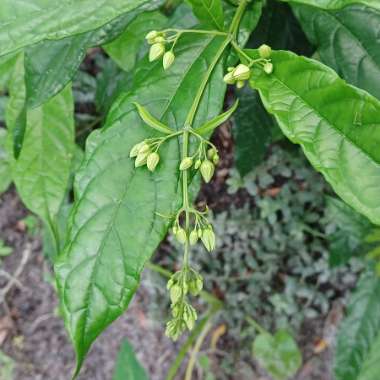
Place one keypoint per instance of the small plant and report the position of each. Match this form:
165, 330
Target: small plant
141, 171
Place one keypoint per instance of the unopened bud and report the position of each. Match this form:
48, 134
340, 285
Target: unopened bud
150, 37
229, 78
240, 84
159, 39
181, 235
152, 161
211, 153
193, 238
156, 51
144, 148
265, 51
168, 59
268, 68
207, 170
135, 149
186, 163
175, 293
141, 159
215, 159
197, 164
241, 72
208, 239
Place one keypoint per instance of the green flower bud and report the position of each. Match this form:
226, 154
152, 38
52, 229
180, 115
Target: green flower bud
240, 84
229, 78
193, 238
189, 316
135, 149
231, 68
181, 235
197, 164
208, 239
241, 72
168, 59
215, 159
156, 51
144, 148
200, 233
141, 159
186, 163
207, 170
211, 153
159, 40
170, 283
151, 35
268, 68
152, 161
175, 293
195, 283
265, 51
175, 230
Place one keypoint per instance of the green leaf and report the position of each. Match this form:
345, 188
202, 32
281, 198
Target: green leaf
347, 41
278, 354
127, 365
51, 65
209, 12
252, 131
26, 23
127, 48
6, 67
279, 29
358, 335
41, 173
210, 125
335, 4
5, 168
115, 225
352, 228
151, 121
337, 125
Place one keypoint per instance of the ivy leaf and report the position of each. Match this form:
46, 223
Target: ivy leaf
26, 23
209, 12
352, 228
51, 65
115, 225
127, 365
335, 4
358, 337
252, 131
337, 125
126, 49
347, 41
278, 354
41, 173
5, 168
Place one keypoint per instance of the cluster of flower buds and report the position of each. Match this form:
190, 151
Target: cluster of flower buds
185, 281
144, 155
157, 50
265, 52
237, 75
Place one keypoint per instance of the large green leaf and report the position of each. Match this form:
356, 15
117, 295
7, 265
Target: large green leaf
26, 23
335, 4
252, 131
115, 226
50, 65
124, 49
347, 41
278, 354
127, 365
337, 125
358, 337
209, 12
5, 168
41, 172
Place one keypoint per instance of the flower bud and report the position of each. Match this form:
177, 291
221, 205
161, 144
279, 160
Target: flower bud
241, 72
265, 51
186, 163
268, 68
231, 68
240, 84
168, 59
181, 235
144, 148
215, 159
193, 238
141, 159
151, 35
152, 161
200, 233
175, 230
135, 149
175, 293
159, 39
156, 51
229, 78
208, 239
211, 153
207, 170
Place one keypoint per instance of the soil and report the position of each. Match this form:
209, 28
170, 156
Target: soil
33, 335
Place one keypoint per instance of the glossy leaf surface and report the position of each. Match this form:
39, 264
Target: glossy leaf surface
336, 4
41, 173
358, 335
337, 125
278, 354
127, 365
209, 12
347, 40
115, 225
26, 23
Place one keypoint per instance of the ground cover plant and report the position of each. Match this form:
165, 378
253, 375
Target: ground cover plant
109, 182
